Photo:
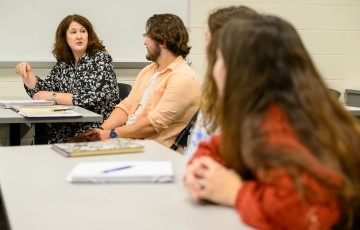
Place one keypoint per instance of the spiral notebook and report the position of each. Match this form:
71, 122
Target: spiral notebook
122, 172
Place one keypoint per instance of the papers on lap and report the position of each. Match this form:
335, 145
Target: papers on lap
122, 172
7, 104
112, 146
47, 111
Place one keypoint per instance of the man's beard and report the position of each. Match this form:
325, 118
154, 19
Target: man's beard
154, 54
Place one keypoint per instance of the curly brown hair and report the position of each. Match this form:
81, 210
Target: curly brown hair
169, 30
62, 51
209, 96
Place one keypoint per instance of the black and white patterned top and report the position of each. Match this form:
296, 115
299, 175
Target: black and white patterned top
94, 87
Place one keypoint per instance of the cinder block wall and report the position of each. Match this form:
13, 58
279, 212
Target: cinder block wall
330, 30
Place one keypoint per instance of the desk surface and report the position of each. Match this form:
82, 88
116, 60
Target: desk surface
36, 195
9, 116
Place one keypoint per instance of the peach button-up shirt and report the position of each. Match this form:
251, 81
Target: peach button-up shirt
173, 100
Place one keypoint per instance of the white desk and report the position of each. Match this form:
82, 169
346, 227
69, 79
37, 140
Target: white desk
36, 195
8, 116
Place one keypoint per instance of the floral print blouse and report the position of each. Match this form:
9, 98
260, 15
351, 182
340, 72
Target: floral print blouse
94, 87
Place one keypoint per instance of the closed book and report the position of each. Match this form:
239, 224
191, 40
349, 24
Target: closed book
112, 146
122, 172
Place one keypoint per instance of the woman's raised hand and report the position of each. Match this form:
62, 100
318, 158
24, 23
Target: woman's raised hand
24, 69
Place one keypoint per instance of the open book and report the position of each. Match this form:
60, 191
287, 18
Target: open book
111, 146
47, 111
122, 172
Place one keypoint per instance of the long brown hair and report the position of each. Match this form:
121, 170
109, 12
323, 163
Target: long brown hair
169, 30
62, 51
266, 63
209, 97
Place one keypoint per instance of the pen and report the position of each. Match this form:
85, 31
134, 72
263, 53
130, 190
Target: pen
57, 110
117, 169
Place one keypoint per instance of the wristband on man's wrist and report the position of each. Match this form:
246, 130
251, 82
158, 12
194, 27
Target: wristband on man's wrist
113, 134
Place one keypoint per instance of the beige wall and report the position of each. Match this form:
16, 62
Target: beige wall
330, 30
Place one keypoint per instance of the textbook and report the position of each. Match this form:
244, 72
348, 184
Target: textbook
112, 146
122, 172
7, 104
46, 111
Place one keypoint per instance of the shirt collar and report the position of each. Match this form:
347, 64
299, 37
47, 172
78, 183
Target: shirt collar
173, 65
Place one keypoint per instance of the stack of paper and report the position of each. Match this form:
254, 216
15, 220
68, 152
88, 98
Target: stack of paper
19, 103
47, 111
122, 172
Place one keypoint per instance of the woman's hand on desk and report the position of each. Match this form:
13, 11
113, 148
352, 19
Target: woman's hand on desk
59, 98
43, 95
24, 69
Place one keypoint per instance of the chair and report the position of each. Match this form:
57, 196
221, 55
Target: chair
352, 97
181, 139
124, 90
336, 93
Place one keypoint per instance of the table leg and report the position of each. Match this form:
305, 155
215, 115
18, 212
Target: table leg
14, 134
40, 134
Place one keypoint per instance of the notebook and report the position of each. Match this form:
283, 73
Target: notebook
122, 172
111, 146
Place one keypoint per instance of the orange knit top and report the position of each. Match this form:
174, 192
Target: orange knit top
271, 200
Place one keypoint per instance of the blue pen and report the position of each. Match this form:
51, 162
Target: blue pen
117, 169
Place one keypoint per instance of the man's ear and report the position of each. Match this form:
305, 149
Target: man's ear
163, 45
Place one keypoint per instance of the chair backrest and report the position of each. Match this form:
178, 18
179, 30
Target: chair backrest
124, 90
336, 93
352, 97
181, 139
